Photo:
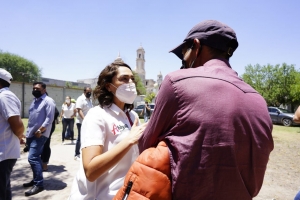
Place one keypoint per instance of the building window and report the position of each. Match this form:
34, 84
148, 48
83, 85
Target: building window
139, 55
146, 82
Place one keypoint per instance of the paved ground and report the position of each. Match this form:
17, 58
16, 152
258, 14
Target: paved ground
57, 180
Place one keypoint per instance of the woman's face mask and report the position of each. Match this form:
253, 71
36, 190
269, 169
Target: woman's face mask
68, 101
126, 92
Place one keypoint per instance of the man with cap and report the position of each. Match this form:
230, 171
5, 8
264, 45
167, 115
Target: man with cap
11, 132
216, 126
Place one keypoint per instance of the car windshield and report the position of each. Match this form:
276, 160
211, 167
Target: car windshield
283, 110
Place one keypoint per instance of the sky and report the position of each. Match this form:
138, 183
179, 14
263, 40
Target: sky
75, 39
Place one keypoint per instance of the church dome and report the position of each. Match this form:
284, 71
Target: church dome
119, 59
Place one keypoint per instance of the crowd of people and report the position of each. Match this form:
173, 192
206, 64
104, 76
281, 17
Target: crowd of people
201, 121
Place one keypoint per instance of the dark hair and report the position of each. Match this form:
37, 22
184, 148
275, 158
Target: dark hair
4, 83
104, 97
40, 83
85, 88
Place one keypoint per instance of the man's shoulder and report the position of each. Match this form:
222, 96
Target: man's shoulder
49, 100
8, 95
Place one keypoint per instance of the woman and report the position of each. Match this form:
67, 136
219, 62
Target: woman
68, 112
109, 134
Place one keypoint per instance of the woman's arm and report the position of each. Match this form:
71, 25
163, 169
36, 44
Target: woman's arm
95, 162
61, 113
297, 115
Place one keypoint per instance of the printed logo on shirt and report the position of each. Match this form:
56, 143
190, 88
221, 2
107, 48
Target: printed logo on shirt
117, 129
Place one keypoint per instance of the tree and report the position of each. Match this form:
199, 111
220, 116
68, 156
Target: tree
277, 84
141, 90
20, 68
149, 97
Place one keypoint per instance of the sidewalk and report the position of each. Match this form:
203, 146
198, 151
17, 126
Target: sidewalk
57, 180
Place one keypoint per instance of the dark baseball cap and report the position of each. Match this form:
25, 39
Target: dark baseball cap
213, 34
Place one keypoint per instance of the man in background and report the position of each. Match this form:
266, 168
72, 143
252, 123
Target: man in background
41, 116
11, 133
83, 105
146, 111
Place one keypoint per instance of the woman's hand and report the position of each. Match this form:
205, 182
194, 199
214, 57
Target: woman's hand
136, 132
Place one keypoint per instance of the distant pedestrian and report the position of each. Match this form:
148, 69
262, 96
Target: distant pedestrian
83, 105
47, 150
68, 112
41, 116
146, 111
11, 133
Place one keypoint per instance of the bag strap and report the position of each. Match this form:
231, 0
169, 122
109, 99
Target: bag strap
130, 121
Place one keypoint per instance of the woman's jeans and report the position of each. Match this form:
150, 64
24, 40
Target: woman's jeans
68, 123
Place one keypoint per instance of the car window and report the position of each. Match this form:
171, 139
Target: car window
152, 106
140, 107
283, 110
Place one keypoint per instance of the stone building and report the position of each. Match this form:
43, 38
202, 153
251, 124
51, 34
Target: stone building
150, 84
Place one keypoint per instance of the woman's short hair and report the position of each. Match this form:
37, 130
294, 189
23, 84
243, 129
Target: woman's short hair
105, 97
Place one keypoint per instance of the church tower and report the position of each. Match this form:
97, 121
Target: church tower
140, 64
159, 79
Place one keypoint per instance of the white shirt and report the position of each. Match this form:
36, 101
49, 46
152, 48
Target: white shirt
68, 110
85, 105
10, 106
107, 127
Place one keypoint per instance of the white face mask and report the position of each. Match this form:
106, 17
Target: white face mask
67, 101
126, 92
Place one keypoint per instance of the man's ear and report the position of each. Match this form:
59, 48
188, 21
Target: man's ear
197, 46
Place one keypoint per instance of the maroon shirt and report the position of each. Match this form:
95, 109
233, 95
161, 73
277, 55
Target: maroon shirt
218, 130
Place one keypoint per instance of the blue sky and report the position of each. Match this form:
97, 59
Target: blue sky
73, 40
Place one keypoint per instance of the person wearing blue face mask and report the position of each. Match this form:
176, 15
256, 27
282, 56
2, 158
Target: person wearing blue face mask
110, 132
41, 116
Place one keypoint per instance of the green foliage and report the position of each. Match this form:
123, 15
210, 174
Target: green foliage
141, 90
20, 68
277, 84
149, 97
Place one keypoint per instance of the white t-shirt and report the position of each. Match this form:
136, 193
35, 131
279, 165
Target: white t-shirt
85, 105
107, 127
10, 106
68, 110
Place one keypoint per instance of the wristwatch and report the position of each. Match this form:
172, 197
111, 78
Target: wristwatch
39, 131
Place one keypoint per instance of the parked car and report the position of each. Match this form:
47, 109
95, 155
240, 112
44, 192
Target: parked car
281, 116
140, 108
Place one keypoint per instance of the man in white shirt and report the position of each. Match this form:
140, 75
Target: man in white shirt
83, 105
11, 132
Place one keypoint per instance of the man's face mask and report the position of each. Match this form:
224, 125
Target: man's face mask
36, 93
88, 94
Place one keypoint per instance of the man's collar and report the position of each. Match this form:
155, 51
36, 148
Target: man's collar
3, 89
217, 61
41, 97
